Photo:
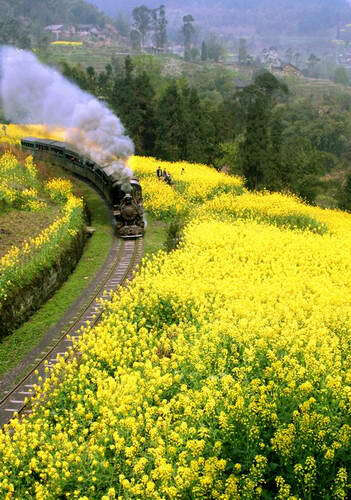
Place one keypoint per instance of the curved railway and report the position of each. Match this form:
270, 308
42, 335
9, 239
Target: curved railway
126, 255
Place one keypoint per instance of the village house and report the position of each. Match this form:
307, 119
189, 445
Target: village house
56, 30
79, 31
287, 69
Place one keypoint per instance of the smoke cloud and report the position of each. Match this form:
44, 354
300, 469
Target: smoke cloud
34, 93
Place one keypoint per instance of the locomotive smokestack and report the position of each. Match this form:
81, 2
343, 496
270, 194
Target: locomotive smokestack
34, 93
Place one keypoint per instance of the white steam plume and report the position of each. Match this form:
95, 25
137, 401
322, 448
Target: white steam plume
34, 93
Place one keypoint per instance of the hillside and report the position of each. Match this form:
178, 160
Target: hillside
261, 17
22, 22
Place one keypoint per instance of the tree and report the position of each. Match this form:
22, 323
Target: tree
77, 74
160, 26
91, 79
142, 21
170, 133
135, 38
243, 55
188, 32
302, 166
204, 54
215, 49
229, 156
311, 65
195, 126
122, 24
142, 120
275, 175
289, 54
255, 149
341, 76
13, 32
121, 97
344, 194
193, 54
297, 58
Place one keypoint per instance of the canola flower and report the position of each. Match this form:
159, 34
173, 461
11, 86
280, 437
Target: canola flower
194, 182
20, 188
13, 133
18, 183
161, 199
279, 209
59, 189
223, 371
40, 249
67, 43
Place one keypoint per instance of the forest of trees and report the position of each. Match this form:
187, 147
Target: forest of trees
275, 140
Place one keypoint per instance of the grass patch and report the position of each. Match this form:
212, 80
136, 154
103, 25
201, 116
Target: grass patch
16, 346
155, 235
17, 226
84, 55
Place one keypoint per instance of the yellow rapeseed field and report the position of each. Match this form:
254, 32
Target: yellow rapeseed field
20, 188
195, 182
222, 372
67, 43
161, 199
12, 133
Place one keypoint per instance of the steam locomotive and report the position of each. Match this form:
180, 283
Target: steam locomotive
127, 208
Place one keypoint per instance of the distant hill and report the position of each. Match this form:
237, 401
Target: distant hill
262, 17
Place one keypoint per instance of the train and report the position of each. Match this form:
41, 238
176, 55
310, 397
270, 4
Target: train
127, 208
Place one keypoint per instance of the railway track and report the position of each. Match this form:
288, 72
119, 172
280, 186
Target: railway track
125, 256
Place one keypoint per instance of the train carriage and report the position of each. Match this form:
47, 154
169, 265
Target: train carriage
127, 207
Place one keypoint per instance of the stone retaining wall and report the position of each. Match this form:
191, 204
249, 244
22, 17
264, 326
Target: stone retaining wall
22, 303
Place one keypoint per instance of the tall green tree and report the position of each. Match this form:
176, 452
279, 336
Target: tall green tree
188, 32
215, 49
170, 128
312, 63
122, 24
121, 97
275, 175
204, 52
142, 21
341, 76
302, 166
135, 38
255, 150
344, 194
195, 127
243, 53
141, 123
13, 32
160, 26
